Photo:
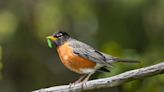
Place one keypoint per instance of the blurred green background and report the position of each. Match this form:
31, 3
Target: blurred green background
124, 28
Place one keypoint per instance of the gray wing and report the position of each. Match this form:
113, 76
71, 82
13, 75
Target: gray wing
90, 53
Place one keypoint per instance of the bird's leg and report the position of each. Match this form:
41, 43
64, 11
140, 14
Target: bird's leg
80, 79
87, 77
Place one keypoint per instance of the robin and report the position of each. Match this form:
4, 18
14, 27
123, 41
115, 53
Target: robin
82, 58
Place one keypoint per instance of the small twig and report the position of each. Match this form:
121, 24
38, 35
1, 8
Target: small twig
111, 81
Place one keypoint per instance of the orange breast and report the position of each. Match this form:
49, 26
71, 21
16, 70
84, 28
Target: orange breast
73, 61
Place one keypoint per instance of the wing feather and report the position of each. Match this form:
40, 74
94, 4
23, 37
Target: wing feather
88, 52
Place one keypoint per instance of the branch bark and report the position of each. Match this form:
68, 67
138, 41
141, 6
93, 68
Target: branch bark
111, 81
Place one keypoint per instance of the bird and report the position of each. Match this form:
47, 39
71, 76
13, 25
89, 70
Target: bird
80, 57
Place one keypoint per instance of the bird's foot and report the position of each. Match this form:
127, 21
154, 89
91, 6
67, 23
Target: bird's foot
84, 83
73, 84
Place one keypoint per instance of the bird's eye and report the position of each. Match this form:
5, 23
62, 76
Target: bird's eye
59, 35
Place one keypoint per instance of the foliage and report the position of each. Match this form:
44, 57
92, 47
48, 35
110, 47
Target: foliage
0, 62
130, 29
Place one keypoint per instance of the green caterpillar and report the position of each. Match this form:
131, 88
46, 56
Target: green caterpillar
49, 43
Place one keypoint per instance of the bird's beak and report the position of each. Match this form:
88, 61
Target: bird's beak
51, 38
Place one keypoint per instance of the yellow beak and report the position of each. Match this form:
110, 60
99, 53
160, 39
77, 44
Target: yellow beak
52, 38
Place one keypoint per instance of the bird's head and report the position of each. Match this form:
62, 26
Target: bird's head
58, 38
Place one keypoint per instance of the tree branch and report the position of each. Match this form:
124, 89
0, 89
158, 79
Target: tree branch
111, 81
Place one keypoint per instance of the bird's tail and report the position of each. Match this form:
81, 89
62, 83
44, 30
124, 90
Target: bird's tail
125, 60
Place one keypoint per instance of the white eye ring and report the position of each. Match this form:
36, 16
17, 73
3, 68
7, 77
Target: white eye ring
59, 35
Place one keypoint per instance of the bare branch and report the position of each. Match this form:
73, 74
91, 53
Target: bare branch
109, 82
